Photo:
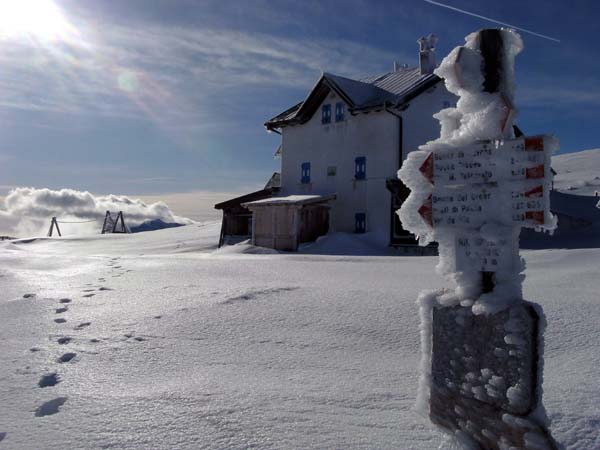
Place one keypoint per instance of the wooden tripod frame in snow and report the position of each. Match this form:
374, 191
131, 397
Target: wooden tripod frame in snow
108, 220
53, 224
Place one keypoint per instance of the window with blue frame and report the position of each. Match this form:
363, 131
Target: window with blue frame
360, 167
360, 223
305, 173
326, 114
340, 110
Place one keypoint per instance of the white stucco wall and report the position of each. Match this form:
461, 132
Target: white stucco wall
373, 135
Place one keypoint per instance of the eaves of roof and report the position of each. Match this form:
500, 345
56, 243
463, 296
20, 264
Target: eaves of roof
394, 89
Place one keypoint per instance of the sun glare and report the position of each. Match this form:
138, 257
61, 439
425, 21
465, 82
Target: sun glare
40, 19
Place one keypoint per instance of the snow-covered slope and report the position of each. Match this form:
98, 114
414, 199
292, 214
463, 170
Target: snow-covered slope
159, 341
577, 173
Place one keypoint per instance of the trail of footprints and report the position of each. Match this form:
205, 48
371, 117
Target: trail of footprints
51, 379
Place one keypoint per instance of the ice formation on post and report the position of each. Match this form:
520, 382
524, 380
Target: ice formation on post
472, 190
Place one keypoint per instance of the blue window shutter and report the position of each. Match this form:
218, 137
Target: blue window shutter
360, 167
326, 114
360, 222
339, 112
305, 173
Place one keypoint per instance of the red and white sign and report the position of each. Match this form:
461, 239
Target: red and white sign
472, 206
488, 162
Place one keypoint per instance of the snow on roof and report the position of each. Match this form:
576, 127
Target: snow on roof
358, 92
292, 200
396, 87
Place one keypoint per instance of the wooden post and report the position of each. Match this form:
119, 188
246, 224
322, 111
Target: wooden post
123, 227
492, 51
54, 223
106, 218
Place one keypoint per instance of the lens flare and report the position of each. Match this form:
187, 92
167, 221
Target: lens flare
128, 81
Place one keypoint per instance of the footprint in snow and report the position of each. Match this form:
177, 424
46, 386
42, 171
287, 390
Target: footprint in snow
34, 349
66, 357
61, 310
82, 325
105, 289
88, 295
2, 435
60, 320
50, 407
28, 295
88, 290
64, 340
65, 300
49, 380
157, 317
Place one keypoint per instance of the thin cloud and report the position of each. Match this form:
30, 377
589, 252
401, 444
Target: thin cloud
169, 74
558, 96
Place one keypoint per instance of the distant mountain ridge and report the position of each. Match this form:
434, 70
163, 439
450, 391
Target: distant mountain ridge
152, 225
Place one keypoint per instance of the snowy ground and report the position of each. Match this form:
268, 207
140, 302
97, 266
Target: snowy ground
578, 173
176, 345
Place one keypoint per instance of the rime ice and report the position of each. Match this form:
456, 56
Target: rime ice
474, 159
472, 190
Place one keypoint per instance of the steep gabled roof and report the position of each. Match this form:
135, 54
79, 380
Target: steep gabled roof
393, 88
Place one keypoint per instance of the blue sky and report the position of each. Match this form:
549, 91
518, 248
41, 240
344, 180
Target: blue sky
169, 96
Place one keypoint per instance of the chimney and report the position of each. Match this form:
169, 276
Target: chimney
427, 54
396, 66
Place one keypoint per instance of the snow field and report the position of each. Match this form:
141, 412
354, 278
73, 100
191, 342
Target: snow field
223, 350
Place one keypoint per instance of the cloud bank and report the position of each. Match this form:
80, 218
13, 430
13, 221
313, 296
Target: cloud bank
28, 211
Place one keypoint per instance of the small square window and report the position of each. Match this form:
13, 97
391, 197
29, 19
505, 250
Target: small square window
340, 111
331, 171
326, 114
305, 173
360, 167
360, 223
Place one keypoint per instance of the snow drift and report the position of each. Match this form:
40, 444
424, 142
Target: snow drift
27, 211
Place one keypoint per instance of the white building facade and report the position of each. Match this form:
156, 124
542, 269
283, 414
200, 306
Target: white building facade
348, 138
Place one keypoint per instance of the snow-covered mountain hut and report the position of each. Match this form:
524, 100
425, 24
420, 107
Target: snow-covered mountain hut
343, 145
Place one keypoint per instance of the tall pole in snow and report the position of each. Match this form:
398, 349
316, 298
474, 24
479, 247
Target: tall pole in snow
471, 191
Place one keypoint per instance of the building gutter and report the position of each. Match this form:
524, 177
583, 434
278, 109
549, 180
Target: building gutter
386, 106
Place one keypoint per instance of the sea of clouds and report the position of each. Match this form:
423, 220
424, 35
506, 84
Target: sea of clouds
28, 211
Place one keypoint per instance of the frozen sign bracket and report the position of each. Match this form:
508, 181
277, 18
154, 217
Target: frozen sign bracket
472, 190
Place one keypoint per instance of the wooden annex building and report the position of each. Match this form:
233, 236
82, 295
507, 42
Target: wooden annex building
283, 223
237, 219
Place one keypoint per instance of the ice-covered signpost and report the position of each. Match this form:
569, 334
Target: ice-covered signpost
471, 191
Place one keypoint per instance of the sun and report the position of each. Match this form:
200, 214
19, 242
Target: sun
40, 19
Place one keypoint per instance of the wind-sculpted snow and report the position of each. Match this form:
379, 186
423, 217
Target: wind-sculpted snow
27, 211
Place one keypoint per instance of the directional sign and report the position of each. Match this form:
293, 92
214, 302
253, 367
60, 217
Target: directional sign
489, 162
472, 206
484, 347
475, 252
